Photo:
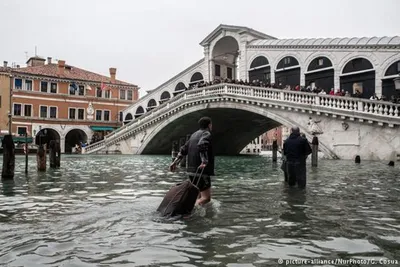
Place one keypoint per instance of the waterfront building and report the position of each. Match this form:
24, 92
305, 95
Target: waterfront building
64, 102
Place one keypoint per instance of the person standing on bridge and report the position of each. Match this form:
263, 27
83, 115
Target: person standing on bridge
199, 152
296, 149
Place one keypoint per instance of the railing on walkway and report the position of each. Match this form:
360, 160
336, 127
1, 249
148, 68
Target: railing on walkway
381, 110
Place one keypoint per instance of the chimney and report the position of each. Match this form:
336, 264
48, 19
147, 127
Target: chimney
113, 71
61, 65
49, 60
5, 64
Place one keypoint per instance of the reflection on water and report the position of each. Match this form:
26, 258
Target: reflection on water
100, 211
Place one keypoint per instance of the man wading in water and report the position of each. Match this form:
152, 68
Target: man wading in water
296, 149
198, 150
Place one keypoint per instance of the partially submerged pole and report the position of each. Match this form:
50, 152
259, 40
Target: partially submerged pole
174, 151
54, 154
184, 159
41, 158
314, 148
8, 157
274, 151
26, 150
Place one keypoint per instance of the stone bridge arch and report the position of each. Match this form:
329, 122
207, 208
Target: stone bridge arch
263, 119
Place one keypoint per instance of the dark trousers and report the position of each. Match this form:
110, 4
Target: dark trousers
296, 173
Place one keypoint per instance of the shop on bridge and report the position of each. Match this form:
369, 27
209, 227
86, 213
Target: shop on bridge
260, 70
358, 78
288, 72
391, 82
320, 73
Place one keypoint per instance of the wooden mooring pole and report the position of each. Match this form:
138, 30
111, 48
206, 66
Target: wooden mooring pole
314, 148
8, 157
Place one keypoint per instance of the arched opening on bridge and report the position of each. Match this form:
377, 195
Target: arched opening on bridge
225, 60
151, 104
44, 136
389, 83
73, 138
128, 118
139, 112
196, 78
165, 96
179, 88
320, 73
260, 70
288, 72
358, 75
233, 129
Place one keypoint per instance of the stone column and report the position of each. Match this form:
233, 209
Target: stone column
62, 144
336, 80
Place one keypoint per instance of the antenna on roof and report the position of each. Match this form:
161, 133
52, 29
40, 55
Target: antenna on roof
26, 55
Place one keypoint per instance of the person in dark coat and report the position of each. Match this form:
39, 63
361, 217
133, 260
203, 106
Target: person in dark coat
296, 149
199, 152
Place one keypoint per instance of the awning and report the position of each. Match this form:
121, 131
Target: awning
20, 139
102, 128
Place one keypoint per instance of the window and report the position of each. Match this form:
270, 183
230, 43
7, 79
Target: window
129, 94
217, 70
17, 83
21, 130
53, 88
28, 110
43, 87
108, 94
81, 114
43, 112
17, 109
72, 89
28, 85
81, 90
98, 115
122, 94
53, 112
106, 115
72, 113
229, 74
398, 66
287, 61
98, 92
320, 62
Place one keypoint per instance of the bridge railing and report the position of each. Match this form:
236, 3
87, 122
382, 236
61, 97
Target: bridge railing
357, 105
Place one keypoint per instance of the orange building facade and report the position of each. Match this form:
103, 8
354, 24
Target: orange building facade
62, 102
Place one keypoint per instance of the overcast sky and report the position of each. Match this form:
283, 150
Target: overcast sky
151, 41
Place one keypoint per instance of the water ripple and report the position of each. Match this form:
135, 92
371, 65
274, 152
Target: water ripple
100, 211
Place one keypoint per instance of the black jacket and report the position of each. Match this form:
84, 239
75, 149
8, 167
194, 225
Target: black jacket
296, 148
199, 149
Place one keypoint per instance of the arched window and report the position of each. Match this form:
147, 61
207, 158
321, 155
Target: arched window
260, 70
165, 96
286, 62
139, 111
320, 74
196, 78
357, 64
358, 78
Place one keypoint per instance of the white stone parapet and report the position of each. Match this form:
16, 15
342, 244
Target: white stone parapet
381, 112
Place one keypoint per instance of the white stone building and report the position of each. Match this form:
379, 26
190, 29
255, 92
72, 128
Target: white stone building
369, 65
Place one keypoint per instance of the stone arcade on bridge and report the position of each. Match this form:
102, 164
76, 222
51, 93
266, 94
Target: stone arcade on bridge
370, 65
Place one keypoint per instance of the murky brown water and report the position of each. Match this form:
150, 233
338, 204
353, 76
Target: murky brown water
100, 211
